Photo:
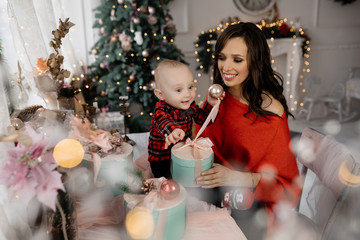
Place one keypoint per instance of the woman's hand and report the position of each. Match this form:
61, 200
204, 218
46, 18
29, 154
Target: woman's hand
217, 176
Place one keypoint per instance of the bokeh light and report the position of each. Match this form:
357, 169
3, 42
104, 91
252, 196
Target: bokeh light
347, 177
139, 223
332, 127
68, 153
304, 149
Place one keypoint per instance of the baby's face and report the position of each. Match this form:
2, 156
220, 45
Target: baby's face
177, 87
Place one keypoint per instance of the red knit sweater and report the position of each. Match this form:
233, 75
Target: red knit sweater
260, 146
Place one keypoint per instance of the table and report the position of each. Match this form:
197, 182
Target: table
102, 217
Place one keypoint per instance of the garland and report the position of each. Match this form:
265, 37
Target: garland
205, 42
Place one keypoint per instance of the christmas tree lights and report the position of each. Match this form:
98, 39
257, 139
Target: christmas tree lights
134, 37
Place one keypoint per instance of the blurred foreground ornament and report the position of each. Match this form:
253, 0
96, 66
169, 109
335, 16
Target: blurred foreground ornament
169, 189
68, 153
216, 90
139, 223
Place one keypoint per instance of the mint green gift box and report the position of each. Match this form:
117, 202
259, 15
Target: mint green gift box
185, 168
169, 215
114, 169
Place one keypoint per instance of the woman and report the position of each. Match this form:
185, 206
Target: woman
251, 135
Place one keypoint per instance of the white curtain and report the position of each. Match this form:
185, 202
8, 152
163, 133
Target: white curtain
31, 23
25, 33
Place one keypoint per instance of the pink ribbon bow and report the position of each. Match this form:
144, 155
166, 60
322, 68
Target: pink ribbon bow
197, 145
202, 143
82, 131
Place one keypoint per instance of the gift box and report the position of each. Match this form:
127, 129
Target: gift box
115, 169
169, 215
110, 120
186, 167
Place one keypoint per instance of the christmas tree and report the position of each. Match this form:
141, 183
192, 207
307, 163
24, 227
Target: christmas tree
134, 37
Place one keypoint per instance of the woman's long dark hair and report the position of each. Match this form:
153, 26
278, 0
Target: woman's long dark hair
262, 79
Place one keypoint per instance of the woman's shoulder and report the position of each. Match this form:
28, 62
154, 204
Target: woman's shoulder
271, 104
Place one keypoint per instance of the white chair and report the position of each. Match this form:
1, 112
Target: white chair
352, 87
312, 86
332, 102
326, 193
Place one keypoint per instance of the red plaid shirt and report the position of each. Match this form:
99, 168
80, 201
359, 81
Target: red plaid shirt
165, 119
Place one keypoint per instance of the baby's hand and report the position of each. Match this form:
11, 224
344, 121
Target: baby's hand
212, 101
175, 136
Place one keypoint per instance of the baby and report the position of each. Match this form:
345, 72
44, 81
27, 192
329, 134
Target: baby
174, 113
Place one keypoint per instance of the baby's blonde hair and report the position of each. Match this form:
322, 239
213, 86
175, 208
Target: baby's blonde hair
167, 63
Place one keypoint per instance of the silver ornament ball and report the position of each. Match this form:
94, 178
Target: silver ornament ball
216, 90
145, 53
136, 20
95, 51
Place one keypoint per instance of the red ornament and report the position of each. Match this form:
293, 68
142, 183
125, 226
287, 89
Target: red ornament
169, 189
284, 28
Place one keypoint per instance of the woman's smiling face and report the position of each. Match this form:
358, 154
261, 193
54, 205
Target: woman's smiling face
232, 62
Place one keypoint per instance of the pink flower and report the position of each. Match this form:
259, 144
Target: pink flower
82, 131
31, 171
